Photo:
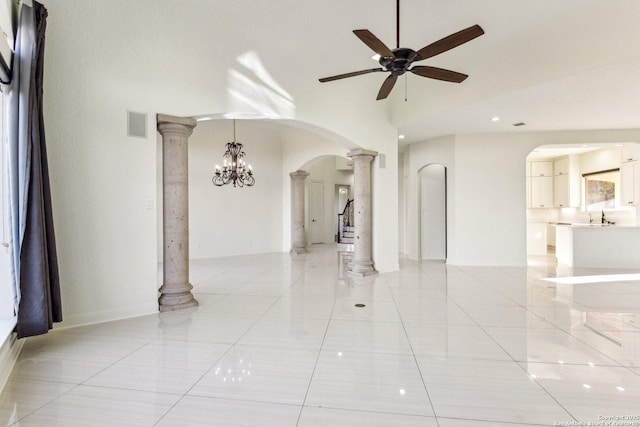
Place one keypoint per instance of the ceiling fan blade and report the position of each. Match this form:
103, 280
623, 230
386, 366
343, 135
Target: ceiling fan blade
438, 73
374, 43
450, 42
344, 76
387, 85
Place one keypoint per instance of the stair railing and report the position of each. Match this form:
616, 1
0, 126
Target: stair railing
345, 219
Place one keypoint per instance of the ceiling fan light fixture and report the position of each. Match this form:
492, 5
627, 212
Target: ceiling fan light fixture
399, 61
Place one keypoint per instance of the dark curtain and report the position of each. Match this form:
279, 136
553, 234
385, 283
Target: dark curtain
40, 302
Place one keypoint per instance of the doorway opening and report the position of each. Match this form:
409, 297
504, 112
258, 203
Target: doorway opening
342, 196
316, 212
577, 185
433, 212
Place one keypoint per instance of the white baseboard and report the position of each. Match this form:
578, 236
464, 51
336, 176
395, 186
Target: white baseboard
10, 349
9, 352
73, 321
386, 268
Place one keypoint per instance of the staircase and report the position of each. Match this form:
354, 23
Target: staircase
347, 235
345, 228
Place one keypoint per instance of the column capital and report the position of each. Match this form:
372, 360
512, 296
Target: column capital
360, 152
168, 123
299, 174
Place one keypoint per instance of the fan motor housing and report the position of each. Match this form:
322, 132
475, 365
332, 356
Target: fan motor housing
399, 65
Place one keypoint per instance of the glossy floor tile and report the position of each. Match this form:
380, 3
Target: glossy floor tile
99, 406
370, 382
262, 374
278, 340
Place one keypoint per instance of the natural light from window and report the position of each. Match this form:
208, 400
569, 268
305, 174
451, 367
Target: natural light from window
598, 278
253, 90
7, 316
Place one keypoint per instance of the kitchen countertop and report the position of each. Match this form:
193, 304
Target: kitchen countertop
598, 245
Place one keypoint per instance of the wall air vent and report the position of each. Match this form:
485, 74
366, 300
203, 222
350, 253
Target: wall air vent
519, 124
136, 124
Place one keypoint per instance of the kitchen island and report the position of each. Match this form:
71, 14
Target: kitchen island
598, 245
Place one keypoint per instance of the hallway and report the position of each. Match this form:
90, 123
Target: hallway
278, 341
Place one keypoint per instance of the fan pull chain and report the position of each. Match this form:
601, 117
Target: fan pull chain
405, 87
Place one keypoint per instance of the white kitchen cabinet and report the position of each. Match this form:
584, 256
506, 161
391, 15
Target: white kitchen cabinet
542, 168
561, 191
630, 183
567, 184
536, 238
561, 166
551, 235
541, 191
630, 153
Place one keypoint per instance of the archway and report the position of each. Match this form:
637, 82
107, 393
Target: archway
329, 185
558, 178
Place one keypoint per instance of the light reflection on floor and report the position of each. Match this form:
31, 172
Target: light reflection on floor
279, 341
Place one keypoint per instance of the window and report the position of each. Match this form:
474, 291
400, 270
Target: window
7, 315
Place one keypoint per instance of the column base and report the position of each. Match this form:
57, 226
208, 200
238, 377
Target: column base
360, 269
298, 251
165, 307
176, 301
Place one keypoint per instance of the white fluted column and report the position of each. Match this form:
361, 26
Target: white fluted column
362, 264
298, 238
175, 292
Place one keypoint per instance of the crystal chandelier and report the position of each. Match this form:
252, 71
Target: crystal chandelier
234, 169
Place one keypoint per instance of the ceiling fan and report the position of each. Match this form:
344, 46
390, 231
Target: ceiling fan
398, 60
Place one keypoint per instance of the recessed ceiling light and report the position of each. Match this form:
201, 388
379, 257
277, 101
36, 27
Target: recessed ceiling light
400, 136
495, 119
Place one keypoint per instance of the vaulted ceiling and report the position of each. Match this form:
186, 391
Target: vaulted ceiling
552, 64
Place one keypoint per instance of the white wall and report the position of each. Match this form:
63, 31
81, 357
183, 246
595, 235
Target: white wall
487, 220
227, 221
599, 160
403, 177
489, 201
104, 58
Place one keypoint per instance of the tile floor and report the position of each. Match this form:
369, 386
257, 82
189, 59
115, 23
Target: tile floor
278, 341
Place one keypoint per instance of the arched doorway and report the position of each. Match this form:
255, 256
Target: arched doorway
433, 212
577, 185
